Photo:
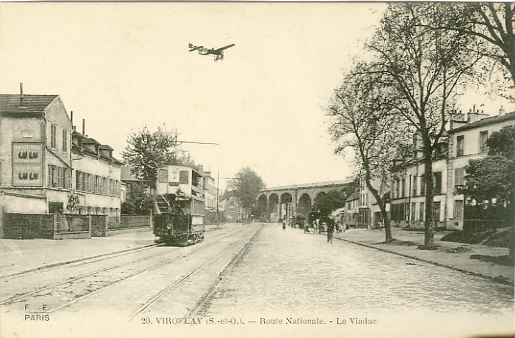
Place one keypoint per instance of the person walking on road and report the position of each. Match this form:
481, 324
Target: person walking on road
284, 224
330, 229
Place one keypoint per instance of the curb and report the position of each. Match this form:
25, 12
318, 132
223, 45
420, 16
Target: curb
494, 279
53, 265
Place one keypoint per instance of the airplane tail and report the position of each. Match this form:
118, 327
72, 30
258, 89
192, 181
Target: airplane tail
190, 45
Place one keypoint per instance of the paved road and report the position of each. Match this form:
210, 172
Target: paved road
292, 274
286, 283
114, 293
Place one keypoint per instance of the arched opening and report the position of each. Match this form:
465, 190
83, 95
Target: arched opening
318, 203
304, 205
286, 207
273, 208
261, 208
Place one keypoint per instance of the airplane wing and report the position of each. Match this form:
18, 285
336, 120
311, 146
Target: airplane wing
193, 47
228, 46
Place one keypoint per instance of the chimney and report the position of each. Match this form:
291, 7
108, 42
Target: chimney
501, 111
71, 117
84, 127
21, 94
473, 115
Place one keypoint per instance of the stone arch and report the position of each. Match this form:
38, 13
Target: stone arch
286, 206
273, 207
317, 199
261, 208
304, 205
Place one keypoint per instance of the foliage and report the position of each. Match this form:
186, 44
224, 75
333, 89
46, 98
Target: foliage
146, 151
331, 200
361, 112
421, 68
246, 186
492, 25
492, 176
138, 202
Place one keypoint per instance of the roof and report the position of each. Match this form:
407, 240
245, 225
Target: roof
31, 104
354, 196
127, 174
484, 122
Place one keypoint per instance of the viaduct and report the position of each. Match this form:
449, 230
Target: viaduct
295, 200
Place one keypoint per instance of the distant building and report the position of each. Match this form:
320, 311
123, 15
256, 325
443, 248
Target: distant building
231, 209
96, 177
352, 210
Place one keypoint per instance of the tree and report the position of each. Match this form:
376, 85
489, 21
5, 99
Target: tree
138, 202
247, 185
490, 23
331, 200
146, 151
362, 120
422, 67
492, 178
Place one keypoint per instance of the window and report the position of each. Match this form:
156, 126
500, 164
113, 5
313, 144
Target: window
436, 211
458, 209
437, 178
53, 176
96, 187
459, 176
162, 175
67, 178
421, 212
65, 140
460, 145
483, 136
53, 136
403, 183
413, 211
414, 187
60, 177
78, 180
422, 185
184, 177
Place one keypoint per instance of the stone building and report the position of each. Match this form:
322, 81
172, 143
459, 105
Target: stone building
96, 177
35, 153
466, 140
46, 167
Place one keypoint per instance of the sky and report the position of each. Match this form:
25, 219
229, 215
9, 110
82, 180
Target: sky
124, 66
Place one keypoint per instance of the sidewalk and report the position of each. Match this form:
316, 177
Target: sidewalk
458, 256
32, 254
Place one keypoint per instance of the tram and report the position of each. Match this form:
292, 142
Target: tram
179, 206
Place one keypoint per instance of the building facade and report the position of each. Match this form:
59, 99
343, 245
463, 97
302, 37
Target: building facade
48, 168
96, 178
466, 140
35, 153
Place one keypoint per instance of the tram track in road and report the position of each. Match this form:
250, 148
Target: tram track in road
67, 292
220, 271
105, 270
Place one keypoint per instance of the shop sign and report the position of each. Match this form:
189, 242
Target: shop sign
27, 164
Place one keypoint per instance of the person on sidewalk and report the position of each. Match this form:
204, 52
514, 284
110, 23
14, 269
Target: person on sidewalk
284, 223
330, 229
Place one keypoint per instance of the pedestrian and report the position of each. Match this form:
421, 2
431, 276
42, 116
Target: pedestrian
330, 229
284, 223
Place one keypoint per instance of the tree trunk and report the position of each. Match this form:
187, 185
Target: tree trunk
382, 207
429, 236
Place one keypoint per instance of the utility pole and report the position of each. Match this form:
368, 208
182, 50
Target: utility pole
217, 199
